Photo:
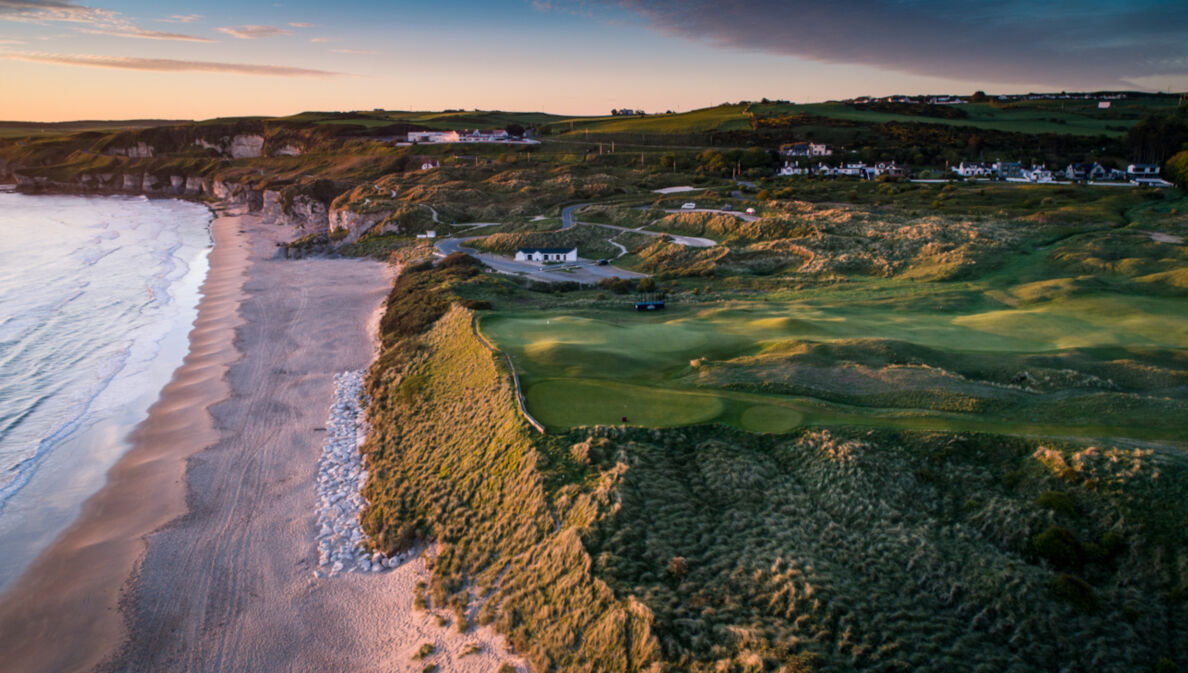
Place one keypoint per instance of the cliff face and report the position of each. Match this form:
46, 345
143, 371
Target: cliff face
354, 223
242, 146
120, 183
301, 212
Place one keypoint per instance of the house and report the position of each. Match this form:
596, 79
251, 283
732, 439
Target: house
1005, 170
793, 169
546, 255
972, 170
797, 150
1038, 174
428, 234
890, 169
1142, 171
857, 170
825, 170
468, 136
485, 136
430, 164
946, 100
1085, 172
808, 150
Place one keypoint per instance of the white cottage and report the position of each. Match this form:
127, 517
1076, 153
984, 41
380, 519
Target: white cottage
546, 255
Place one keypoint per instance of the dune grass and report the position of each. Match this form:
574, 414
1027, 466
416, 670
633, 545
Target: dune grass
707, 549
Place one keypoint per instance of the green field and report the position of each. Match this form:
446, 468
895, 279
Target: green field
858, 357
1072, 117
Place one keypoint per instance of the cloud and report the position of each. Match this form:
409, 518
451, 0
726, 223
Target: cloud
254, 32
141, 33
1089, 43
38, 11
97, 21
300, 24
5, 41
165, 65
182, 18
320, 40
362, 52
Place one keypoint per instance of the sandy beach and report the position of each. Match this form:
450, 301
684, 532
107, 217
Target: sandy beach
198, 554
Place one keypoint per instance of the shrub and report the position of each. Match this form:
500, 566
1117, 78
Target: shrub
1059, 546
1076, 591
1056, 501
424, 651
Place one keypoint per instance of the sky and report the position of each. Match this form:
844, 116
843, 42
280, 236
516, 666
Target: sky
138, 59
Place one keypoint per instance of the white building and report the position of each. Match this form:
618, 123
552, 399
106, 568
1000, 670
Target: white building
1142, 171
469, 136
546, 255
972, 170
1038, 174
433, 136
857, 170
430, 164
790, 169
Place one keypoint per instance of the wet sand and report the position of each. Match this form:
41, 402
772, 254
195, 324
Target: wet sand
61, 614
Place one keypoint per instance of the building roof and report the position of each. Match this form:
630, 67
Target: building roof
547, 251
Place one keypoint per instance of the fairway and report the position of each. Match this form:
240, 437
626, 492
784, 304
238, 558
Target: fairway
565, 403
1047, 368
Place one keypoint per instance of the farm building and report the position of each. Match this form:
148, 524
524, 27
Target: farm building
546, 255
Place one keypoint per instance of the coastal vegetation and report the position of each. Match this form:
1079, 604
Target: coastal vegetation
707, 548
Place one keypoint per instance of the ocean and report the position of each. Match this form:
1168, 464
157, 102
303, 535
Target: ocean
97, 298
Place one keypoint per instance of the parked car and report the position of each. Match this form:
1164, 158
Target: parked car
688, 206
750, 211
603, 262
727, 208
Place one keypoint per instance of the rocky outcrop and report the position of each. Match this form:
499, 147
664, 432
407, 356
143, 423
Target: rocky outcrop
288, 151
236, 147
246, 147
196, 186
355, 224
140, 150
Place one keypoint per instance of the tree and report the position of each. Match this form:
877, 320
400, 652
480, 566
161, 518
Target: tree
979, 97
1155, 138
1177, 169
515, 130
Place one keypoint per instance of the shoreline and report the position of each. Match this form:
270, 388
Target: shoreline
62, 612
200, 552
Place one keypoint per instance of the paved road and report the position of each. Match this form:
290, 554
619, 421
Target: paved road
688, 241
582, 271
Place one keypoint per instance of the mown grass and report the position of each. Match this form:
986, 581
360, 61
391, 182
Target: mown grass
1098, 364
